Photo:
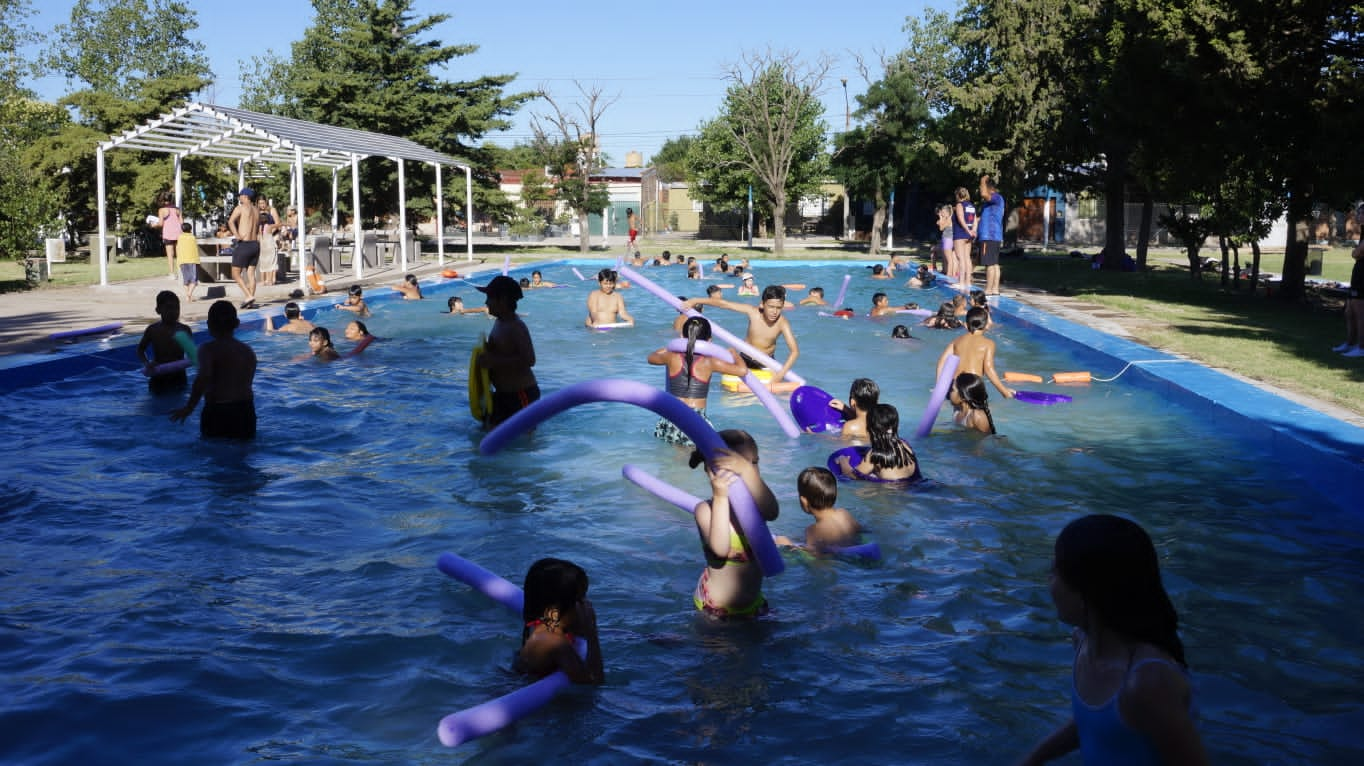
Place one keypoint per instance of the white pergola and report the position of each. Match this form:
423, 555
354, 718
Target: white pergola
251, 138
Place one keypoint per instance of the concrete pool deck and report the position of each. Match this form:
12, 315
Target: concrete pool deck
1289, 420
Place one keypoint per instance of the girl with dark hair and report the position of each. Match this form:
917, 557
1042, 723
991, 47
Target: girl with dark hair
1131, 697
972, 403
689, 376
889, 458
556, 610
731, 584
320, 343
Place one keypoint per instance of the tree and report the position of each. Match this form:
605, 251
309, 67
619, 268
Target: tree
29, 205
671, 159
120, 47
566, 141
769, 131
876, 155
369, 65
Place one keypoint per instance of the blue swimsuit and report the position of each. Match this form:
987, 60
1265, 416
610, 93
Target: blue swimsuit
1104, 737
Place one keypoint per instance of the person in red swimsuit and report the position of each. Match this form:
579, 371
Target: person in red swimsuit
557, 612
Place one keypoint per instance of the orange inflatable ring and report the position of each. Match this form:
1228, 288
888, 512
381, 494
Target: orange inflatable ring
1070, 377
1022, 377
450, 274
315, 281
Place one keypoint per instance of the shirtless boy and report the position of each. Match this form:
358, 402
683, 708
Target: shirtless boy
975, 351
160, 339
227, 368
766, 323
244, 225
509, 354
604, 305
294, 323
833, 527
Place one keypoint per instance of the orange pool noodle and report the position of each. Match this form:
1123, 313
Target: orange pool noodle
1022, 377
1070, 377
795, 286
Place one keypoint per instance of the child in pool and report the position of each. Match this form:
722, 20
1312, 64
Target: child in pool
537, 281
689, 375
160, 338
556, 610
814, 298
509, 354
922, 278
320, 343
411, 290
357, 331
731, 584
455, 305
833, 527
605, 305
945, 319
890, 458
976, 352
355, 301
1131, 698
863, 395
972, 403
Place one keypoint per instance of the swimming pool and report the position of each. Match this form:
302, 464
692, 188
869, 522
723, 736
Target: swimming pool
172, 601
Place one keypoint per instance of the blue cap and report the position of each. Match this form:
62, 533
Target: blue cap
248, 193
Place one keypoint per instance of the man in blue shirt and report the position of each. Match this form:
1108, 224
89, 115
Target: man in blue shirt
990, 233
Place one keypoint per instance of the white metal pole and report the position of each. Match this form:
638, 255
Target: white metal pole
1046, 217
101, 217
440, 218
179, 189
469, 211
335, 184
890, 230
402, 212
296, 191
357, 253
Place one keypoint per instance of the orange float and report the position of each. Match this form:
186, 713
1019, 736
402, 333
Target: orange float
1071, 377
1022, 377
795, 286
315, 281
450, 274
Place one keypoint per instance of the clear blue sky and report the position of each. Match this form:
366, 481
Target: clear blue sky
663, 62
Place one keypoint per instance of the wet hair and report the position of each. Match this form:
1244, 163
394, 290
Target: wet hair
877, 269
958, 300
971, 388
978, 299
324, 334
977, 318
774, 292
167, 302
887, 449
818, 486
694, 329
712, 290
356, 290
292, 311
739, 442
411, 279
606, 275
864, 393
1112, 563
900, 331
551, 584
524, 282
222, 317
361, 325
451, 301
537, 274
877, 298
817, 291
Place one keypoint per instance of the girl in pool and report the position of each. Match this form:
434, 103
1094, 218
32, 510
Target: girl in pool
555, 610
945, 319
409, 288
889, 458
1131, 698
320, 342
731, 584
689, 376
972, 403
355, 301
455, 306
358, 332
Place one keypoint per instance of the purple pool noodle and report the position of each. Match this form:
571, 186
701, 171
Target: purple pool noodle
715, 328
706, 348
169, 367
842, 291
916, 312
506, 265
661, 489
665, 405
949, 373
810, 406
579, 273
1041, 397
472, 723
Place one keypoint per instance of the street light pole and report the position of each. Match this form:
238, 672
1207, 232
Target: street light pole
847, 128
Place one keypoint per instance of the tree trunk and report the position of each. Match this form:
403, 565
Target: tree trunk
1295, 249
584, 236
1195, 262
779, 224
1148, 209
1115, 187
1235, 267
878, 222
1254, 265
1226, 264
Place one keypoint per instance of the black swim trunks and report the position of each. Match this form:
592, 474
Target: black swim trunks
168, 383
989, 252
753, 364
229, 420
508, 403
245, 253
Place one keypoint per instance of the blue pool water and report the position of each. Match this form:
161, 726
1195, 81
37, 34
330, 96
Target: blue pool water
169, 600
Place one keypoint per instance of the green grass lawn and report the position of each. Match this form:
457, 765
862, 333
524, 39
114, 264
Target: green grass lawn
1258, 337
74, 273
